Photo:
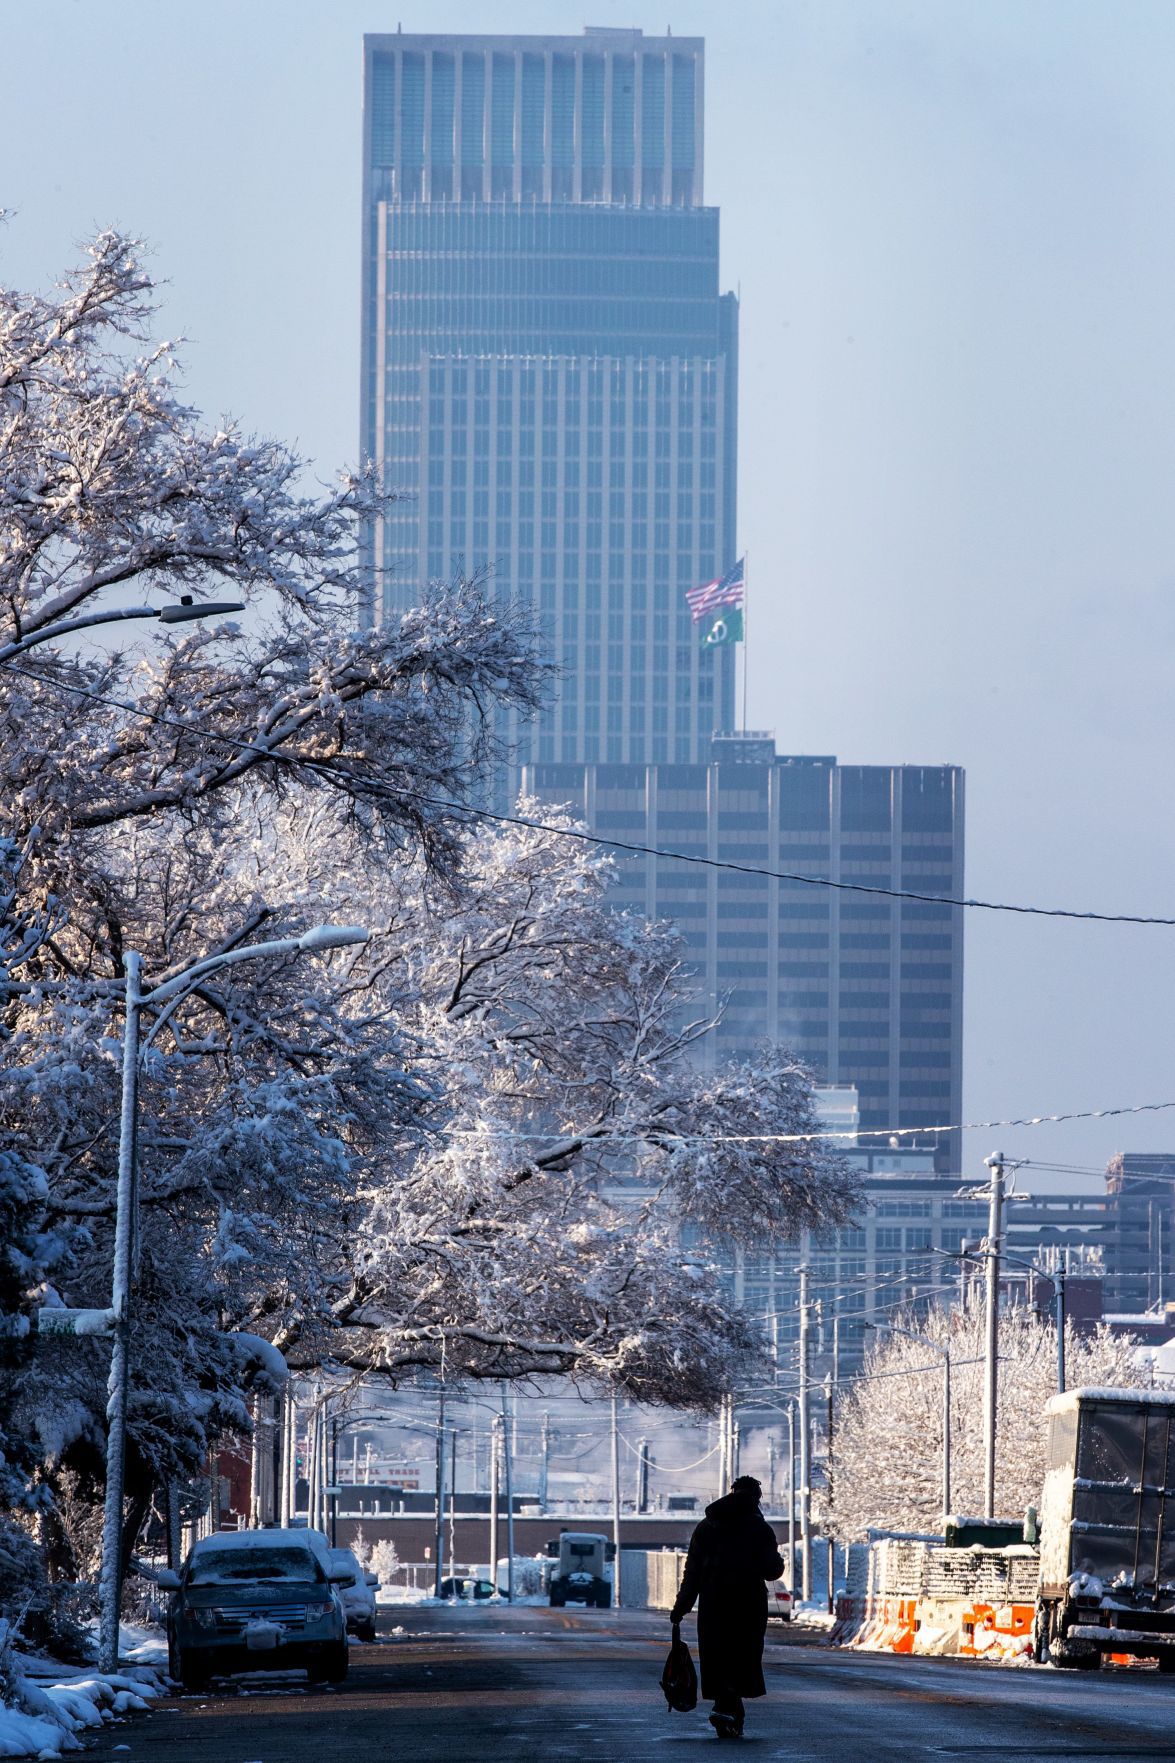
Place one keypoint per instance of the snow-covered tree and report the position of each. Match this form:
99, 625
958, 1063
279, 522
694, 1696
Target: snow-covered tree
483, 1144
132, 787
556, 1214
887, 1450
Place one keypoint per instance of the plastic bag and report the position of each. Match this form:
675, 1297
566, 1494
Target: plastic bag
679, 1680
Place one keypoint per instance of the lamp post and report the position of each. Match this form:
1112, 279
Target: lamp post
168, 994
181, 612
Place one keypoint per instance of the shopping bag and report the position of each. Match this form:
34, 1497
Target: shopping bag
679, 1680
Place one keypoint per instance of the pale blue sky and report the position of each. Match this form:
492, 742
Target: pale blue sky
951, 222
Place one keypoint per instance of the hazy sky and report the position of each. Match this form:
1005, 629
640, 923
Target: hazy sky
951, 224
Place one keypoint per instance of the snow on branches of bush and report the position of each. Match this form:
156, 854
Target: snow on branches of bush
887, 1467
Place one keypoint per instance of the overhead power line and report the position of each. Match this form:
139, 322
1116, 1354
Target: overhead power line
801, 1138
275, 756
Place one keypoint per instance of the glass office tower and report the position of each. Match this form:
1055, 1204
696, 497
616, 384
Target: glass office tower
549, 368
867, 989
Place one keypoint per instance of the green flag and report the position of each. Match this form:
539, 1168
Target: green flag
726, 628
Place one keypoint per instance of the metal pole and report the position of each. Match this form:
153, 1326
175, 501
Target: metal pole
110, 1580
288, 1436
791, 1497
494, 1462
453, 1499
642, 1476
831, 1546
544, 1461
946, 1436
992, 1329
440, 1523
615, 1503
507, 1455
735, 1450
334, 1482
255, 1449
1059, 1296
805, 1418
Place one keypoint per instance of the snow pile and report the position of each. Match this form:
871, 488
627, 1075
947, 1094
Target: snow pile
59, 1702
405, 1594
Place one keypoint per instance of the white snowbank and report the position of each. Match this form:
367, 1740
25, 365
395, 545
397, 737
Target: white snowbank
61, 1702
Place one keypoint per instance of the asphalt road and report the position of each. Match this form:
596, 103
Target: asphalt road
468, 1683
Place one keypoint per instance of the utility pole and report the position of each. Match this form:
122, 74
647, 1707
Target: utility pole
791, 1497
495, 1459
995, 1225
735, 1450
453, 1500
544, 1461
440, 1513
508, 1453
805, 1417
615, 1502
642, 1476
946, 1436
830, 1544
334, 1481
1059, 1301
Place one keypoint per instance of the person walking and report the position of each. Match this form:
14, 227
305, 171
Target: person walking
732, 1554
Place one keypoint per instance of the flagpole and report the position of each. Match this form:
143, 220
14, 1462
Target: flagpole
746, 651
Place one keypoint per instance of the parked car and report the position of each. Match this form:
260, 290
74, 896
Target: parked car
252, 1600
780, 1602
471, 1589
358, 1591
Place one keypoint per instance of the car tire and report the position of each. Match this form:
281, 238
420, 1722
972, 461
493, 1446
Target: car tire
331, 1664
366, 1630
604, 1598
193, 1676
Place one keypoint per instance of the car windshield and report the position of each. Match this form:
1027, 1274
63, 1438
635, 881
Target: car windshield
227, 1566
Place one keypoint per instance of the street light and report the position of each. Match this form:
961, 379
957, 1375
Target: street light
180, 612
168, 992
945, 1354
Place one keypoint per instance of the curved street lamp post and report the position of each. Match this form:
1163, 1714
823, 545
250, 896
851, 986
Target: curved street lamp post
168, 993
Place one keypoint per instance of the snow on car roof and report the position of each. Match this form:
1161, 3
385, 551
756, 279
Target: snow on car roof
255, 1539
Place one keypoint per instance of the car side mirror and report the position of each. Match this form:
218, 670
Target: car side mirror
371, 1578
167, 1581
341, 1578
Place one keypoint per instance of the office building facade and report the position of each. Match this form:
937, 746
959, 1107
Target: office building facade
549, 370
867, 989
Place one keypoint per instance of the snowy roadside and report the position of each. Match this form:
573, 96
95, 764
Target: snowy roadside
48, 1704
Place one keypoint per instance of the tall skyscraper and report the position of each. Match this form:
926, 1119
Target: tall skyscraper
867, 989
549, 367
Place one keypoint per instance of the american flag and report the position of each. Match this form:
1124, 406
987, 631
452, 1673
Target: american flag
726, 590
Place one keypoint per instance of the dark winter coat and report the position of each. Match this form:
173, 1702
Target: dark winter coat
731, 1554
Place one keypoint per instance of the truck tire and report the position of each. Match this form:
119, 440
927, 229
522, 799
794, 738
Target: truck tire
558, 1599
1069, 1655
603, 1597
1167, 1661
